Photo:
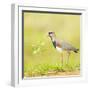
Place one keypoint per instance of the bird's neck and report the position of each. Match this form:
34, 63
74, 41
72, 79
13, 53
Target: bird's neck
53, 39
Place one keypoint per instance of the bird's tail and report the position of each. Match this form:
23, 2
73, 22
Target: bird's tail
76, 50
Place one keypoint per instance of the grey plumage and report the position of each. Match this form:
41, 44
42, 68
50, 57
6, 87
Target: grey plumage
68, 47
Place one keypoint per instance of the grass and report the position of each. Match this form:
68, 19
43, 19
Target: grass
46, 68
40, 57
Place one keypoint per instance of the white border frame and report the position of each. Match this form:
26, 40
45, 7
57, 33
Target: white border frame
16, 54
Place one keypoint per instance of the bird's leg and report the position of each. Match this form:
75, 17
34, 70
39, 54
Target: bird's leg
62, 58
68, 57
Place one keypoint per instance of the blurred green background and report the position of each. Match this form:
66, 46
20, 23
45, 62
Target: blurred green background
40, 57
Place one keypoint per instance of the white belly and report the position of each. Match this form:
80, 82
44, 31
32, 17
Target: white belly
59, 49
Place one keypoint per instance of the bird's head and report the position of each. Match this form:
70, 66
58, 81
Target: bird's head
51, 34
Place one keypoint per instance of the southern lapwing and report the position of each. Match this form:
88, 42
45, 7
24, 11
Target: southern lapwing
62, 46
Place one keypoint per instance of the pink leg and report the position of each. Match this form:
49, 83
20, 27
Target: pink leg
62, 58
68, 57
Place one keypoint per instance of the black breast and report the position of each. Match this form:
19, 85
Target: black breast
54, 44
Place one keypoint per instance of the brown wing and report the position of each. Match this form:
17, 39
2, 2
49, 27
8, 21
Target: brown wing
58, 43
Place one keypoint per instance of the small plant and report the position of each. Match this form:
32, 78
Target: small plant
37, 48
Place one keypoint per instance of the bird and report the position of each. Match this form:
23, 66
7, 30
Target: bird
61, 45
